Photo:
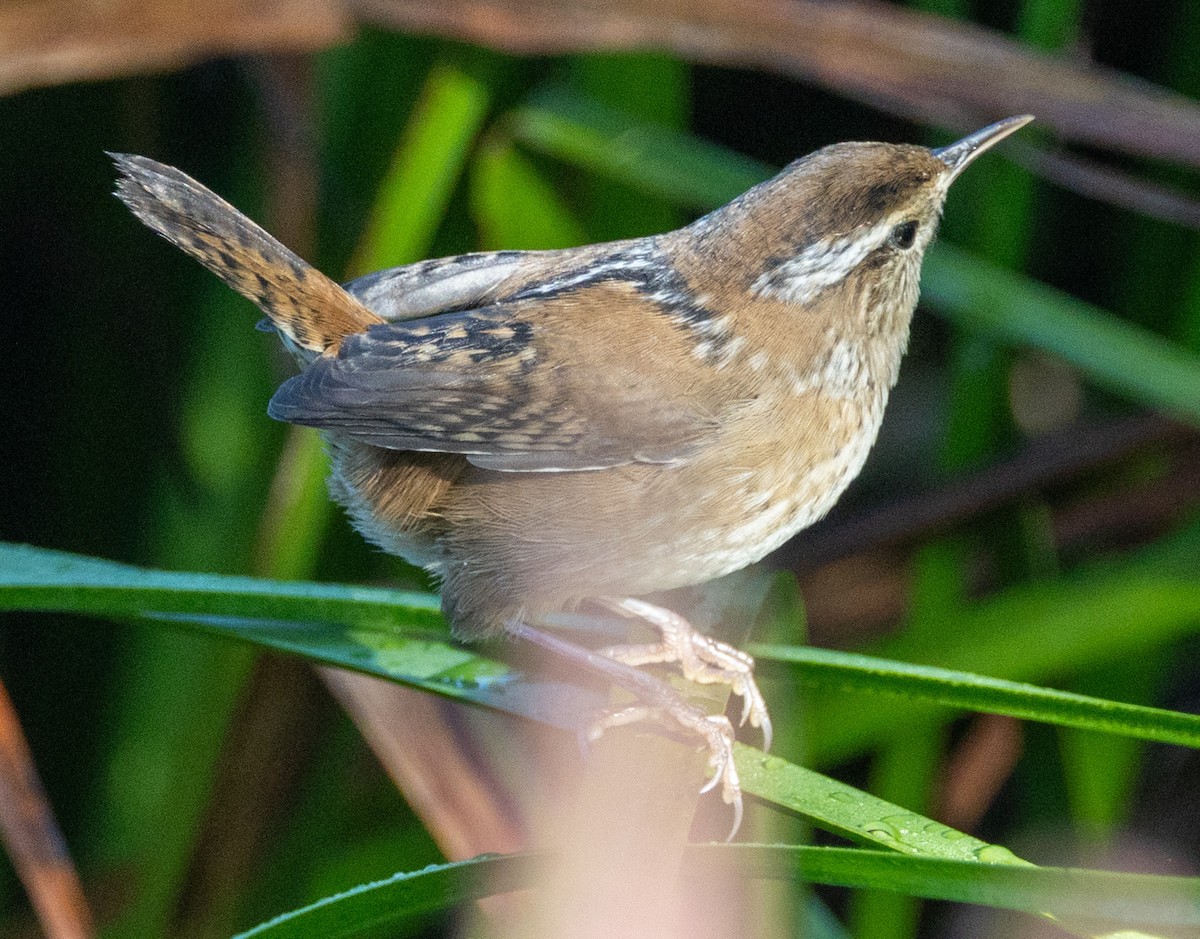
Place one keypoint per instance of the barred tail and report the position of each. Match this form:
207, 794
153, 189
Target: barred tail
311, 310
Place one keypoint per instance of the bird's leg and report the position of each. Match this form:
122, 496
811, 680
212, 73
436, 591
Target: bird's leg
656, 701
701, 658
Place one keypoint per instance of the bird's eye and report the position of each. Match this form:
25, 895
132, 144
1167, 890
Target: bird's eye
903, 235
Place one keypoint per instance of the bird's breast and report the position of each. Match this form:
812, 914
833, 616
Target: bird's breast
785, 483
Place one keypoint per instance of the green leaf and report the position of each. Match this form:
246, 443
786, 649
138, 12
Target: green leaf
650, 87
1074, 895
392, 634
398, 898
859, 816
41, 579
863, 673
1085, 900
514, 206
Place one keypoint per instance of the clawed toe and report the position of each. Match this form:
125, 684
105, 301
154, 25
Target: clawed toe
720, 748
701, 659
754, 709
655, 699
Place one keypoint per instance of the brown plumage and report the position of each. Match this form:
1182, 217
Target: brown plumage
541, 428
303, 304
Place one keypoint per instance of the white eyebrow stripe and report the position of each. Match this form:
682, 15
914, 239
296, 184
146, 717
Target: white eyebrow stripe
820, 265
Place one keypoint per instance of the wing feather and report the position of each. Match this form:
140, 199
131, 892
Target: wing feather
474, 383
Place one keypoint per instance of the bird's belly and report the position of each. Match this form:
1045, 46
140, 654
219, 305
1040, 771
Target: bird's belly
548, 540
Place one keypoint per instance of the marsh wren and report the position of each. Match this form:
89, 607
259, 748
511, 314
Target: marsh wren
545, 428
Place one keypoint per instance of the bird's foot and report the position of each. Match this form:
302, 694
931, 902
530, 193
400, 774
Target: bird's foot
701, 658
714, 729
655, 699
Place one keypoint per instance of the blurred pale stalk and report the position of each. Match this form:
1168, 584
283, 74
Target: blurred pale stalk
412, 734
32, 838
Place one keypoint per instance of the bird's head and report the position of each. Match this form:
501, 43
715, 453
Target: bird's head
851, 214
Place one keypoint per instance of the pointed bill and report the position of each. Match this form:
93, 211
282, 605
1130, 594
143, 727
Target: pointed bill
959, 155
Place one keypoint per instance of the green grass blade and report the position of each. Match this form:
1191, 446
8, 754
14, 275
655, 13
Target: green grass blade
398, 635
653, 88
409, 206
907, 771
854, 814
394, 634
305, 619
42, 579
1074, 895
513, 206
970, 692
398, 898
274, 613
1032, 632
1105, 901
1113, 352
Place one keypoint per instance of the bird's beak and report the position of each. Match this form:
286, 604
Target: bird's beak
958, 156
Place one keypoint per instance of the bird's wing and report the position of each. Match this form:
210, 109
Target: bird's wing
442, 285
511, 386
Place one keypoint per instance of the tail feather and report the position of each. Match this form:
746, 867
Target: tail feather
311, 310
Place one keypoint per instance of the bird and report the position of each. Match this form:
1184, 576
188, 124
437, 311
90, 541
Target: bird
544, 430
